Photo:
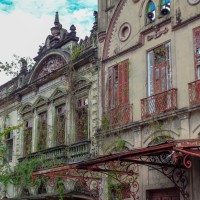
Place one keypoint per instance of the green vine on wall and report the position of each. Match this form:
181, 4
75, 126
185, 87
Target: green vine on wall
21, 175
76, 51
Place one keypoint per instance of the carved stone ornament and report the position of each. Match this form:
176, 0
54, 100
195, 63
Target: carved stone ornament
193, 2
124, 32
51, 64
157, 33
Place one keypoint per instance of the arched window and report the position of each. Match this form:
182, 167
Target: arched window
151, 12
165, 7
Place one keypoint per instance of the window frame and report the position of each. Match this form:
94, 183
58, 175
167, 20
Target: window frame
30, 131
84, 107
27, 114
38, 128
9, 145
121, 86
57, 106
169, 77
195, 47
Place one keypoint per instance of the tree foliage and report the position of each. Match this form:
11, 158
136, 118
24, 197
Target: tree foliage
13, 67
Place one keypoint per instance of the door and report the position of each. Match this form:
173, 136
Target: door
164, 194
159, 79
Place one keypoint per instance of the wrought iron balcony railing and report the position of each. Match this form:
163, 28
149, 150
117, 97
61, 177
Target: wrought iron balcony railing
159, 103
117, 117
194, 92
60, 155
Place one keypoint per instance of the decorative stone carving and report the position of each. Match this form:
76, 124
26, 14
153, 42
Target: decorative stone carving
51, 64
157, 33
58, 33
124, 32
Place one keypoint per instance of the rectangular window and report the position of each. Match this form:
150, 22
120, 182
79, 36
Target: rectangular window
196, 34
60, 125
9, 144
42, 131
81, 119
118, 85
159, 70
28, 136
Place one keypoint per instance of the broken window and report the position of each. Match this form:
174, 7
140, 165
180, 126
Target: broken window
9, 145
81, 119
28, 136
60, 125
42, 131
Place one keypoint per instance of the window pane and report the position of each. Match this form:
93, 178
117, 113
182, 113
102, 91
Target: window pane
9, 149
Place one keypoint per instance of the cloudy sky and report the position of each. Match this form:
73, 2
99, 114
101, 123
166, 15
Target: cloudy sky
25, 24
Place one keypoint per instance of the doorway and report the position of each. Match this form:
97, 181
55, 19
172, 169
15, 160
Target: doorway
164, 194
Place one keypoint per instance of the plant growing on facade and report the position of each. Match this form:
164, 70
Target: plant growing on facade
105, 123
76, 51
13, 68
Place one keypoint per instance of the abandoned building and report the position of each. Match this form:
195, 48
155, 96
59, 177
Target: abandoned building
116, 115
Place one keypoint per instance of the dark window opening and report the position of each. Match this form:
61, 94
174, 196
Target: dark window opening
81, 119
28, 137
60, 125
9, 145
42, 131
42, 189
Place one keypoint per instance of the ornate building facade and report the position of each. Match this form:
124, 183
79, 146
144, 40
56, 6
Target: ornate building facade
149, 54
56, 105
120, 124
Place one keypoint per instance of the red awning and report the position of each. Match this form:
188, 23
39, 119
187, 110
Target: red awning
171, 158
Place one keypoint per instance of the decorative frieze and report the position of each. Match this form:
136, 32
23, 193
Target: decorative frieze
158, 33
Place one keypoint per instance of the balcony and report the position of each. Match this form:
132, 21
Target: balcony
159, 103
60, 155
51, 157
79, 151
117, 117
194, 92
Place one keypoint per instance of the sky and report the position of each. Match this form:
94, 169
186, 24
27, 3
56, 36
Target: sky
25, 24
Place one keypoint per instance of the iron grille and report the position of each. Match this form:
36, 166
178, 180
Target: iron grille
159, 103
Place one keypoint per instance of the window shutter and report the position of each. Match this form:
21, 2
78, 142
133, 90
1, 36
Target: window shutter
169, 68
123, 89
126, 81
197, 51
120, 84
110, 88
150, 74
